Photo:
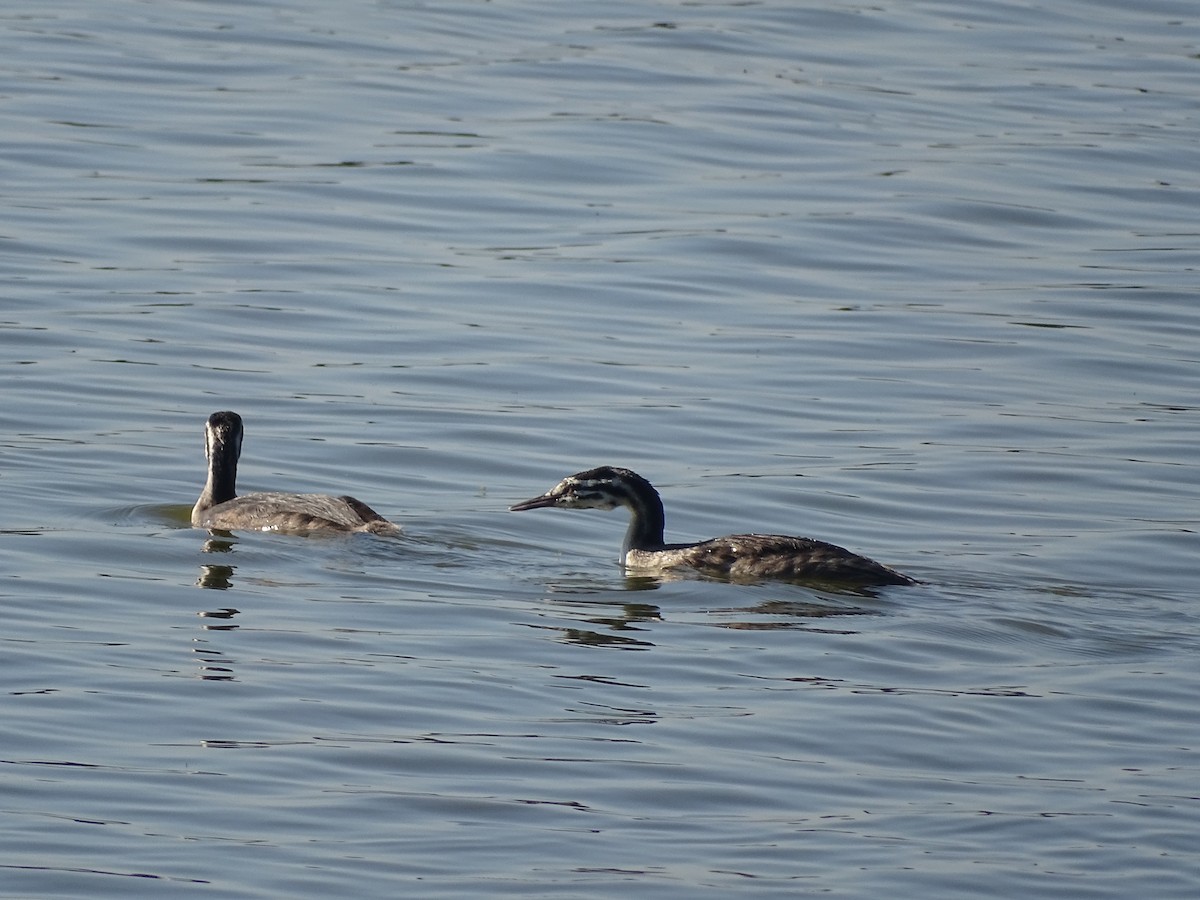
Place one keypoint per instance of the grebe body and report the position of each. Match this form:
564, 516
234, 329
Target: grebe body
221, 508
738, 556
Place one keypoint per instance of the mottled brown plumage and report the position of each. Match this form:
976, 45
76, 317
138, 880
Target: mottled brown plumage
737, 556
221, 508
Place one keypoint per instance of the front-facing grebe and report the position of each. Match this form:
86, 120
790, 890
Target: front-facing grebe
738, 556
221, 508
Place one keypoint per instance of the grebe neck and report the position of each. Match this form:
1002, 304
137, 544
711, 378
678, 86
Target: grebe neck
647, 520
222, 479
222, 448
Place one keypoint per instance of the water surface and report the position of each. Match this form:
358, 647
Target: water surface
916, 280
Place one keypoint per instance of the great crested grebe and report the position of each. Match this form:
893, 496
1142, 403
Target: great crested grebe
220, 507
739, 556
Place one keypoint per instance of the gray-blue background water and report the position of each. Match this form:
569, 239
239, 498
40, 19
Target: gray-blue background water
919, 279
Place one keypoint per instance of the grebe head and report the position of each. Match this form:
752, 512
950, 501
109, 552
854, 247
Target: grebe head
606, 487
223, 436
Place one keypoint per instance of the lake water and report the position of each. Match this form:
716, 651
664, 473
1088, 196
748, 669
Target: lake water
918, 279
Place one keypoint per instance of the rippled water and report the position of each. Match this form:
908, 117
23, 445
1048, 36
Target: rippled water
920, 280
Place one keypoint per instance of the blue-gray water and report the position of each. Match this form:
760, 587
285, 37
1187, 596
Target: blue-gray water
919, 279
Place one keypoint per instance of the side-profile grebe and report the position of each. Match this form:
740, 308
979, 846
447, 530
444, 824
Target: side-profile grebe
220, 507
739, 556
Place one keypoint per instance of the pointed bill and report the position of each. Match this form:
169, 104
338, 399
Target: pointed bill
535, 503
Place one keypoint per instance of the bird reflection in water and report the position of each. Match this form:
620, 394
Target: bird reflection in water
217, 578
